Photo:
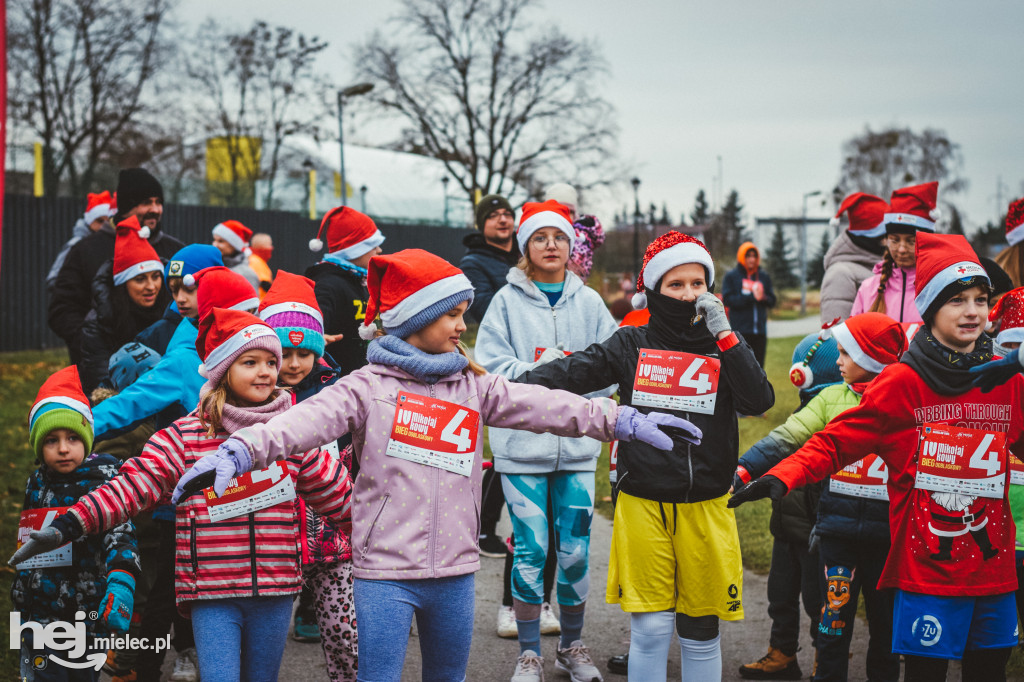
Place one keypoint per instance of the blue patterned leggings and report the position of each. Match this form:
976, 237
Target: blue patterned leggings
572, 505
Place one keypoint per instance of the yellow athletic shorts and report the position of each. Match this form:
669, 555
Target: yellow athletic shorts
683, 556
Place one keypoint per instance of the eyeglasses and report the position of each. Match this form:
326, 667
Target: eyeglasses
541, 241
501, 213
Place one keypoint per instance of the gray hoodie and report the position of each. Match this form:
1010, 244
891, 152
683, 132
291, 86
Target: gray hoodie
519, 320
80, 230
846, 267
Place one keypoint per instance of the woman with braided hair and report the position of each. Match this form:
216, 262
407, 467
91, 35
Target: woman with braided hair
890, 290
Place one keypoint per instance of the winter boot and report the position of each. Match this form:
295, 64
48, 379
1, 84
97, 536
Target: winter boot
774, 665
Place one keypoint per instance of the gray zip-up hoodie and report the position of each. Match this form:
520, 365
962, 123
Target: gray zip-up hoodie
519, 320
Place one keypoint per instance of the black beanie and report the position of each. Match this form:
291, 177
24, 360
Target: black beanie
135, 185
488, 205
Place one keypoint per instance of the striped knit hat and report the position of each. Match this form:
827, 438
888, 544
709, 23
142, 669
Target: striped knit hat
60, 404
290, 307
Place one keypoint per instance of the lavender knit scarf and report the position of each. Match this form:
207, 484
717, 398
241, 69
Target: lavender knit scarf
234, 418
427, 367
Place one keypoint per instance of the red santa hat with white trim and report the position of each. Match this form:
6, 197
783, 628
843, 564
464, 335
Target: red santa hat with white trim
1009, 312
872, 340
912, 209
226, 334
234, 233
97, 206
946, 265
220, 287
866, 214
538, 215
349, 233
409, 290
133, 254
60, 404
1015, 222
666, 252
290, 307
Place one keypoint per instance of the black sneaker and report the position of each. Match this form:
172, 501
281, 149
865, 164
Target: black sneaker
493, 546
619, 664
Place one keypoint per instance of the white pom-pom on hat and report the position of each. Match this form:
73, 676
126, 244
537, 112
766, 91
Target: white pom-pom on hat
144, 232
189, 280
368, 331
202, 367
247, 251
315, 244
834, 222
639, 300
935, 213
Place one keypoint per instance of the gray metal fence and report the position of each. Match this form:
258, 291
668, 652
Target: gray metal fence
35, 229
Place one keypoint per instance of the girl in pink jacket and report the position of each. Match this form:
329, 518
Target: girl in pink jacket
415, 414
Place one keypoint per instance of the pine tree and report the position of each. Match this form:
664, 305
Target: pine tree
816, 268
731, 224
664, 219
777, 261
699, 215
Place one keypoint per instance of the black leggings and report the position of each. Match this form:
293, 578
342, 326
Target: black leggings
697, 628
977, 664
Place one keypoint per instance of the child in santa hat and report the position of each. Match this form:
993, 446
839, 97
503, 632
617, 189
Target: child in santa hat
128, 296
98, 573
415, 412
952, 559
890, 290
543, 313
326, 610
352, 239
675, 564
852, 528
236, 573
232, 240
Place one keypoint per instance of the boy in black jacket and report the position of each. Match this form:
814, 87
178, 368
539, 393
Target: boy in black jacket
686, 361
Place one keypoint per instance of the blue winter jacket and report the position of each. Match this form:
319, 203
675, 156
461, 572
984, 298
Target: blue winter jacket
519, 320
169, 391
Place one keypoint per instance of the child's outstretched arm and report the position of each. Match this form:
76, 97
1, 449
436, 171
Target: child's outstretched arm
783, 440
325, 417
997, 372
585, 371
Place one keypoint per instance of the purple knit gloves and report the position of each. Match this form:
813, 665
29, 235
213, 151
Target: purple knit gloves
649, 428
231, 459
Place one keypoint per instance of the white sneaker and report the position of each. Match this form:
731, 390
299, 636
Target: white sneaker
185, 667
507, 627
529, 668
577, 662
549, 624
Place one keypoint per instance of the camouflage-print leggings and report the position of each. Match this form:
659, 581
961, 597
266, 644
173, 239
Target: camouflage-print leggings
336, 615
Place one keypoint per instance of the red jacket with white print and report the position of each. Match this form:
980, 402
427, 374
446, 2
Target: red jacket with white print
246, 556
977, 531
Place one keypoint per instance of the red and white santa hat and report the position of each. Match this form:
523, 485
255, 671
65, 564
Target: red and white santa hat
913, 209
97, 206
349, 233
536, 215
113, 205
60, 404
220, 287
290, 307
226, 334
1015, 222
1009, 311
234, 233
872, 340
410, 289
666, 252
866, 214
946, 265
133, 255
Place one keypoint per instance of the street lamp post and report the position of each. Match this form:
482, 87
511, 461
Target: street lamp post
636, 226
444, 182
350, 91
803, 252
362, 198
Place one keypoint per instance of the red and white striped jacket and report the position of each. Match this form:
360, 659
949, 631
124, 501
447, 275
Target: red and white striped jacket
246, 556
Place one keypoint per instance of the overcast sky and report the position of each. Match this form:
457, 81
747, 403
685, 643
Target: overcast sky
772, 86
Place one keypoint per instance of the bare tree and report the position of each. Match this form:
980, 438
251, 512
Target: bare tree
879, 162
498, 100
88, 64
258, 85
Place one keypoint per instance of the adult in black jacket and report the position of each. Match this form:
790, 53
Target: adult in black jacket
748, 294
340, 281
694, 544
491, 252
138, 194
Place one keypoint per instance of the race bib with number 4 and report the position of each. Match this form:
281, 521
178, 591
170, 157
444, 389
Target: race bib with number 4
37, 519
952, 459
671, 380
251, 492
435, 433
865, 478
